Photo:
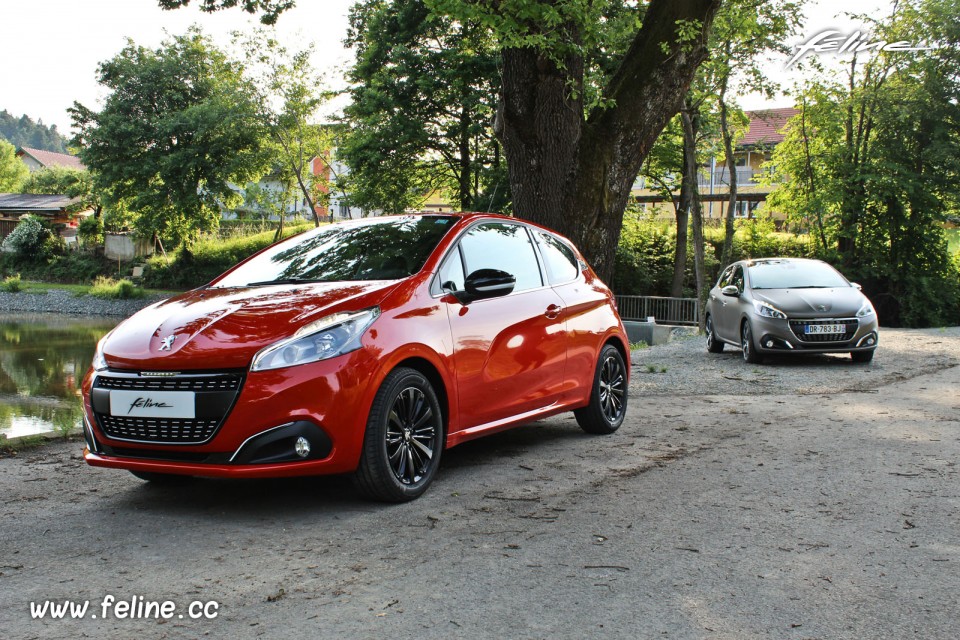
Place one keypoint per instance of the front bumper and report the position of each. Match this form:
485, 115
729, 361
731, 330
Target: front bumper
778, 336
304, 420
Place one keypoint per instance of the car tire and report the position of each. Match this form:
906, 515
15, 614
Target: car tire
608, 396
748, 346
403, 441
862, 356
170, 479
714, 345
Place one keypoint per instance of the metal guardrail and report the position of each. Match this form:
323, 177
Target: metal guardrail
665, 310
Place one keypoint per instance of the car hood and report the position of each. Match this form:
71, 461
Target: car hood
224, 328
839, 302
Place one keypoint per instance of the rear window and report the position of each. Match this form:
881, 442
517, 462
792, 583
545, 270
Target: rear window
375, 249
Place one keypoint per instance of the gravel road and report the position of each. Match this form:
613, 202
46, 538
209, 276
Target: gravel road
798, 499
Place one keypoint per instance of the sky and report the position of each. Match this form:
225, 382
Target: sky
52, 47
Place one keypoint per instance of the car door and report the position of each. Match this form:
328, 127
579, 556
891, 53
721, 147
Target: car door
727, 318
509, 351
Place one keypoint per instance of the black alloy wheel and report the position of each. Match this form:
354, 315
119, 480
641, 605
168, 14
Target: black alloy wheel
403, 440
608, 399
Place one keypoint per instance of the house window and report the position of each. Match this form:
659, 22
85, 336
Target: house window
745, 209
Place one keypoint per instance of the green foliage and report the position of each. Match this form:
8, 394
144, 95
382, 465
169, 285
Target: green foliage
645, 253
874, 161
90, 231
12, 284
289, 92
24, 132
178, 126
424, 92
270, 9
644, 258
197, 264
29, 238
12, 170
75, 183
79, 267
108, 288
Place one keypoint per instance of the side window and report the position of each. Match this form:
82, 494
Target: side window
725, 277
560, 260
738, 277
504, 246
450, 271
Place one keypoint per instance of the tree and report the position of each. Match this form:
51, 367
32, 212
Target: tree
289, 92
24, 132
12, 170
423, 92
75, 183
875, 159
179, 125
586, 87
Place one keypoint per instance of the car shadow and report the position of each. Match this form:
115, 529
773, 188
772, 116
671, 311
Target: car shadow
255, 499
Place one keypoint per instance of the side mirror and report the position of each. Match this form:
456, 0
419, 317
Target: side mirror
856, 285
486, 283
731, 290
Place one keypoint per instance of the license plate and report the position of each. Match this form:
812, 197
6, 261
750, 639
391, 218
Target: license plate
826, 328
153, 404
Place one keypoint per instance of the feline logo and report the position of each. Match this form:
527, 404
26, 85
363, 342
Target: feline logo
835, 42
147, 403
167, 343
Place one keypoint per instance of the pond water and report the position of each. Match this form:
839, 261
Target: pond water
43, 358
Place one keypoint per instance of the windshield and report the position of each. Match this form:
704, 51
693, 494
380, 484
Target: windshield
794, 275
375, 249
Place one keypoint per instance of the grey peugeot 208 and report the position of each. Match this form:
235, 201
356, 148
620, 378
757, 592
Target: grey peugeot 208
789, 306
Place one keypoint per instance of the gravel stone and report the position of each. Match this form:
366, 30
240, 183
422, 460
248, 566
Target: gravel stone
62, 301
691, 370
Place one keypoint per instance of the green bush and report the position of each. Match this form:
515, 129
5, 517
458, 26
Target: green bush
90, 231
109, 288
645, 254
12, 284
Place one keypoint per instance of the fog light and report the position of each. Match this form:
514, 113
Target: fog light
302, 447
870, 342
768, 344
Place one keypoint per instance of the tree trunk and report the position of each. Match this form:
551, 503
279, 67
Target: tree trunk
690, 199
574, 173
466, 194
727, 254
680, 253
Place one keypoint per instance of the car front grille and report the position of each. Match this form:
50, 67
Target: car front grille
799, 330
215, 394
158, 429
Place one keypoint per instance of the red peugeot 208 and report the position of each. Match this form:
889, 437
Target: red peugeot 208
364, 347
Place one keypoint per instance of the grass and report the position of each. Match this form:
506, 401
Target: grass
635, 346
656, 368
79, 290
12, 284
109, 288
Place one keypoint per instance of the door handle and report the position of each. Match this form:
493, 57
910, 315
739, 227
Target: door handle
553, 311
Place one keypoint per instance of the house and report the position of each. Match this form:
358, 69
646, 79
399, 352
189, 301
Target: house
765, 131
37, 159
59, 211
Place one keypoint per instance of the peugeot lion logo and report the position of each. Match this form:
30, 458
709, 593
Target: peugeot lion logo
167, 343
821, 307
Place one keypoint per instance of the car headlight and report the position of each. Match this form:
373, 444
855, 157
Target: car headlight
328, 337
866, 310
768, 311
99, 362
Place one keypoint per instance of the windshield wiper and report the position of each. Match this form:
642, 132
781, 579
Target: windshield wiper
262, 283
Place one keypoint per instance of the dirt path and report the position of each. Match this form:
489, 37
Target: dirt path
775, 515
